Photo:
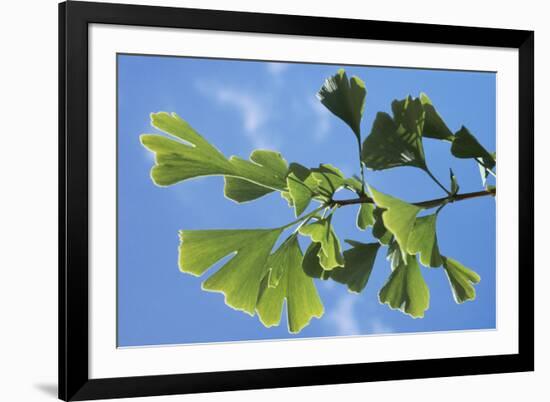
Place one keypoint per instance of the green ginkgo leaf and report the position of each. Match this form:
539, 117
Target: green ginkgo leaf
358, 264
291, 283
406, 290
190, 155
394, 255
329, 179
239, 279
423, 240
310, 262
365, 216
461, 280
396, 141
399, 217
359, 261
379, 230
434, 126
466, 146
300, 193
345, 98
330, 255
240, 190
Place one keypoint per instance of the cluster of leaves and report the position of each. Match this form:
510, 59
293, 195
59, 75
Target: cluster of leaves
258, 279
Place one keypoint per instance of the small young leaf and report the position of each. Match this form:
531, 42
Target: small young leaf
454, 183
399, 217
434, 126
330, 255
396, 141
406, 289
461, 280
423, 240
302, 299
359, 261
365, 217
346, 99
239, 279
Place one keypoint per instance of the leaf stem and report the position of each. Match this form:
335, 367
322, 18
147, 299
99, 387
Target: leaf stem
304, 217
437, 181
361, 166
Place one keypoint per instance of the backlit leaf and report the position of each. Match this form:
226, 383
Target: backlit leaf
365, 217
300, 193
406, 289
399, 217
240, 190
345, 98
189, 155
423, 240
292, 284
330, 255
396, 141
239, 279
461, 280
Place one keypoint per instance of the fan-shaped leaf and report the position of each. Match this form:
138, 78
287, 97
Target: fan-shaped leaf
365, 217
461, 280
406, 289
330, 255
346, 99
399, 217
239, 279
434, 126
465, 146
396, 141
288, 281
358, 264
192, 156
423, 240
359, 261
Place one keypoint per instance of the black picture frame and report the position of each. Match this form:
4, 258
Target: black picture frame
74, 18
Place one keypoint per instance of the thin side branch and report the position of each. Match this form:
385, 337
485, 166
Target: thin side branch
424, 204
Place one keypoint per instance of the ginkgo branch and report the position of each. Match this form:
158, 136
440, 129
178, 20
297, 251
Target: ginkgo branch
423, 204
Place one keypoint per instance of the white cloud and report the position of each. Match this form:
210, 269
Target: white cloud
322, 120
376, 326
343, 316
253, 112
277, 69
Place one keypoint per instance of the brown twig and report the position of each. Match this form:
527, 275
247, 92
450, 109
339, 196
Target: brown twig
423, 204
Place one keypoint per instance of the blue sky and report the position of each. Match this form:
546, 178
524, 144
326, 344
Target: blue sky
240, 106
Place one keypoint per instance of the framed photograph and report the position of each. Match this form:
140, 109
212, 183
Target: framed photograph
256, 200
